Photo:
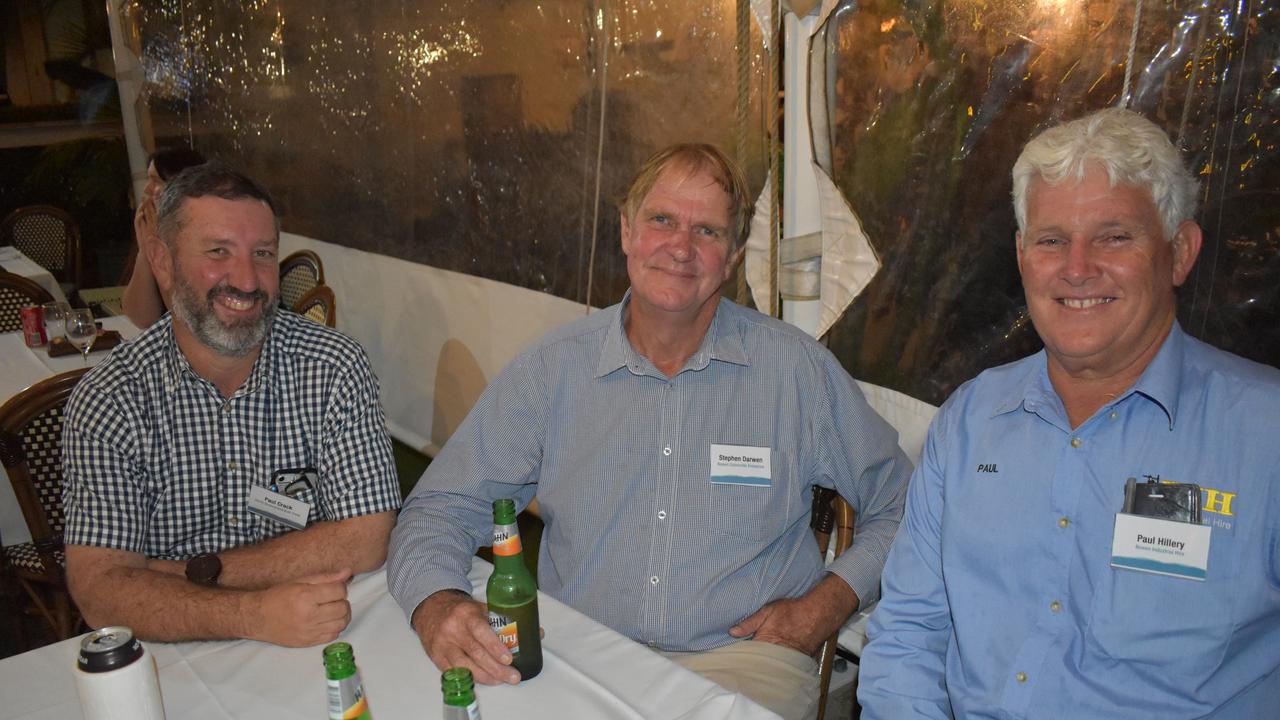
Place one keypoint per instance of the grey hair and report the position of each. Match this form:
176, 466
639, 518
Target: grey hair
210, 179
1132, 149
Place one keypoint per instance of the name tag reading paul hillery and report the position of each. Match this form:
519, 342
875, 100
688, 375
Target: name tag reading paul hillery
741, 465
1163, 547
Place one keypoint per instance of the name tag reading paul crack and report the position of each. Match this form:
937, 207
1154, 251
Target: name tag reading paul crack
741, 465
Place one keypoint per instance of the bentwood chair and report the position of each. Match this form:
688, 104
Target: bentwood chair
319, 305
50, 237
17, 292
299, 273
830, 513
31, 451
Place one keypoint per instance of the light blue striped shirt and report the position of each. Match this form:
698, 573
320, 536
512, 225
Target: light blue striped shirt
619, 458
999, 598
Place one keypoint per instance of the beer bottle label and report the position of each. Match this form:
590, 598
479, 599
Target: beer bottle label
507, 631
506, 540
346, 700
455, 712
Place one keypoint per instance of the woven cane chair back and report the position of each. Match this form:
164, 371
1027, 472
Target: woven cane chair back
47, 235
17, 292
299, 274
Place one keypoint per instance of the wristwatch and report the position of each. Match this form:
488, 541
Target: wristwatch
204, 569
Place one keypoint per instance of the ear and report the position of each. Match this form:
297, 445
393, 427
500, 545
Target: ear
1186, 248
162, 263
626, 234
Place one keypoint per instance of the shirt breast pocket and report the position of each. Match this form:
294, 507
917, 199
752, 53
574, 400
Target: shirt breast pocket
753, 512
1175, 626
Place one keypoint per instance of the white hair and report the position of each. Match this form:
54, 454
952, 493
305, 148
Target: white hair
1133, 151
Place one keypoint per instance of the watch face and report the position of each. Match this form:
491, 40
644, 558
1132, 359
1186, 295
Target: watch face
204, 569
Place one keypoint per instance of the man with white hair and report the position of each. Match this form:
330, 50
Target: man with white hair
1039, 572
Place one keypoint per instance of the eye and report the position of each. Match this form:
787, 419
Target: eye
1050, 241
708, 232
217, 252
1116, 238
661, 219
265, 253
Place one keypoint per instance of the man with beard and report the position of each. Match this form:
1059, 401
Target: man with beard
229, 470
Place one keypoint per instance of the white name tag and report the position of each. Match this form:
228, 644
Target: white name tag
1163, 547
741, 465
281, 508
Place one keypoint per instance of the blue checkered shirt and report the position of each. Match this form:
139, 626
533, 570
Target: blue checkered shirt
619, 456
157, 462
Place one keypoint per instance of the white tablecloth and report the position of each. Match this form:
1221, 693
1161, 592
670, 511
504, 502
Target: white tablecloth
12, 260
589, 672
20, 368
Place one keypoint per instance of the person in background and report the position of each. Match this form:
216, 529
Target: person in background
672, 442
1023, 583
142, 300
229, 469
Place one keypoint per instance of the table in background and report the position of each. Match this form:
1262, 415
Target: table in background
20, 368
12, 260
589, 671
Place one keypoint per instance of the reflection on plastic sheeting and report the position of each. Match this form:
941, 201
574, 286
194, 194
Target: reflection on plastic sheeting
930, 104
465, 135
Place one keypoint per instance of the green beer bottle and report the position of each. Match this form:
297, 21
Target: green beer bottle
513, 595
346, 693
459, 695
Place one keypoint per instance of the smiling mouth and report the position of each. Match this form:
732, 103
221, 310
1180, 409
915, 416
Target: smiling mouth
1084, 303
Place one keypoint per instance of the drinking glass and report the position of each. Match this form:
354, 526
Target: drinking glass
55, 314
81, 330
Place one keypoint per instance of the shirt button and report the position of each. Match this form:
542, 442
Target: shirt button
233, 521
1021, 677
1113, 415
653, 580
666, 451
1055, 606
1063, 522
232, 465
226, 406
1076, 442
662, 514
652, 643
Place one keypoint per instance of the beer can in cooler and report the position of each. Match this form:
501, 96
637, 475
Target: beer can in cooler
116, 677
33, 326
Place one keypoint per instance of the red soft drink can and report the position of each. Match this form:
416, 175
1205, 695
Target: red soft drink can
33, 326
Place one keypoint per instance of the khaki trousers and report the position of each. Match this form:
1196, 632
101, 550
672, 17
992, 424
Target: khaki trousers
779, 678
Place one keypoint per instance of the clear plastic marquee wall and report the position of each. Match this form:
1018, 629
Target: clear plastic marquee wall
494, 137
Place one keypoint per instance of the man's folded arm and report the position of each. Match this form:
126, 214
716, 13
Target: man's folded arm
903, 666
357, 544
114, 587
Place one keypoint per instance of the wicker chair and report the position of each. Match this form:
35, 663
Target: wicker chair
299, 273
48, 236
17, 292
319, 305
31, 450
830, 512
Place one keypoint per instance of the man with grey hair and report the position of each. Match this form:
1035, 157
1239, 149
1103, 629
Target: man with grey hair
229, 469
672, 442
1092, 532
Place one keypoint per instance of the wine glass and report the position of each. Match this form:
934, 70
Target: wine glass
81, 330
54, 315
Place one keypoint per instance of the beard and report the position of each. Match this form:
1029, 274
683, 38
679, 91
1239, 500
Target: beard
235, 340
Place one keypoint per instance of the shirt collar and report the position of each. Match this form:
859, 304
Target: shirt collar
180, 369
720, 343
1160, 382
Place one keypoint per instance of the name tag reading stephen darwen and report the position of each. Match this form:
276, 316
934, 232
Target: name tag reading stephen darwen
1163, 547
741, 465
281, 508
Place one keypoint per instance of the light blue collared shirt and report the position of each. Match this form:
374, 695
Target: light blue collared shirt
619, 456
999, 599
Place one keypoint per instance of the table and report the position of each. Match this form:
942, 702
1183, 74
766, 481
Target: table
12, 260
588, 672
20, 368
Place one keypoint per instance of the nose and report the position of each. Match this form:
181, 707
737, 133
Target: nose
1079, 266
681, 245
242, 273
